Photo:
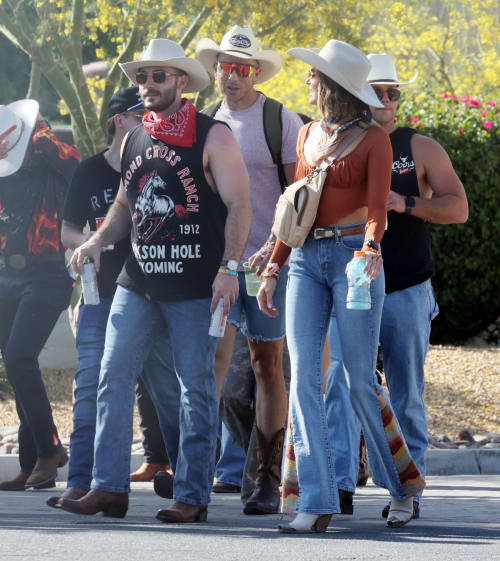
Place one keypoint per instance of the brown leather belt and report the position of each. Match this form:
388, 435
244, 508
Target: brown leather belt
19, 261
329, 232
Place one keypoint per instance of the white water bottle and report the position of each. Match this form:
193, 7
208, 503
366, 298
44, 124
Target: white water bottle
89, 285
218, 321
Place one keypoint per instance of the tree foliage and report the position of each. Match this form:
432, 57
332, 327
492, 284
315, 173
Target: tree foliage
453, 43
53, 32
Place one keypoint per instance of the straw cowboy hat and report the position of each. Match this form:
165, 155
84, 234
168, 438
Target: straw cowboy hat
345, 65
383, 72
22, 113
240, 42
163, 52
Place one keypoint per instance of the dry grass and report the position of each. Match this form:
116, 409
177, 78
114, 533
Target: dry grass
463, 390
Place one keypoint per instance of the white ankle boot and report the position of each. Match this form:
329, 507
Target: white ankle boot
400, 513
305, 523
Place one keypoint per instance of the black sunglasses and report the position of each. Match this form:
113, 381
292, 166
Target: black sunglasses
393, 94
159, 76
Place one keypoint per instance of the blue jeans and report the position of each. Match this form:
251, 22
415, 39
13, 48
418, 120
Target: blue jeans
232, 460
135, 325
404, 337
90, 339
317, 280
344, 436
257, 326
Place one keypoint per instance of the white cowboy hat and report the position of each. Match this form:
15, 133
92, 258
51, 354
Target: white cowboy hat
383, 71
345, 65
22, 113
240, 42
163, 52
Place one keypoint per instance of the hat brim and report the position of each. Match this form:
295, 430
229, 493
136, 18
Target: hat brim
27, 110
311, 57
269, 61
198, 78
393, 83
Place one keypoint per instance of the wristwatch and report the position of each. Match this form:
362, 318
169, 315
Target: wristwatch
410, 204
231, 264
373, 244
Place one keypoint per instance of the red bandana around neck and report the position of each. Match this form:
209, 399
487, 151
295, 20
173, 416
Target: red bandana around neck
178, 130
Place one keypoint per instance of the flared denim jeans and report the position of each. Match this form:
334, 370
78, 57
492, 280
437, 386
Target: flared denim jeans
317, 281
404, 338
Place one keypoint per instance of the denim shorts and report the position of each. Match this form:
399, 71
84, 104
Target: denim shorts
254, 324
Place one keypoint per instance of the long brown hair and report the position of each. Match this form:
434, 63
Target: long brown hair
335, 101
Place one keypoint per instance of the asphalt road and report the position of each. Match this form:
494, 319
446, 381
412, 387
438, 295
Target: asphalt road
460, 519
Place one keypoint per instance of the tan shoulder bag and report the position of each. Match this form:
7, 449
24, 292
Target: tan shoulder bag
297, 207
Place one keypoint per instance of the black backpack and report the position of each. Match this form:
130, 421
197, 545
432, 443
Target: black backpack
273, 129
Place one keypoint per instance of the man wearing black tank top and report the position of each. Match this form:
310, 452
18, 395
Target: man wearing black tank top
424, 188
185, 198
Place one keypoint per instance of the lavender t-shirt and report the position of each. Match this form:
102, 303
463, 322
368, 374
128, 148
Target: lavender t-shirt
248, 128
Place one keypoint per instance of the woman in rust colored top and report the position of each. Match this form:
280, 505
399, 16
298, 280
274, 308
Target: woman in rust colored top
351, 216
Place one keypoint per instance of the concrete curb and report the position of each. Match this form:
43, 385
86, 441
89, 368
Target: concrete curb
463, 462
439, 462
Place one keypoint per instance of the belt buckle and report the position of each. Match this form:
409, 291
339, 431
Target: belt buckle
17, 261
326, 233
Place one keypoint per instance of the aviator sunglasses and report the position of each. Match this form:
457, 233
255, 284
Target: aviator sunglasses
243, 70
393, 94
159, 76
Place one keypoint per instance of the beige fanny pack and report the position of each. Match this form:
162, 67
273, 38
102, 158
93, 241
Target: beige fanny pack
297, 207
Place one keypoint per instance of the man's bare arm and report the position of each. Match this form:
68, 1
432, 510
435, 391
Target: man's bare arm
443, 199
230, 176
233, 185
72, 235
116, 226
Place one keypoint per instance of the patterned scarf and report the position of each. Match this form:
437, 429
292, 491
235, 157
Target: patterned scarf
327, 135
178, 130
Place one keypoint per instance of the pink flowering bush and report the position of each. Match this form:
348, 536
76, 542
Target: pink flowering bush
467, 256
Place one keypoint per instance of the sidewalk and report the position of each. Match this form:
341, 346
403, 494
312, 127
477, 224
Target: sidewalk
460, 520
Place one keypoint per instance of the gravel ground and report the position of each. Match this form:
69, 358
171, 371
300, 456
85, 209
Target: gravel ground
463, 391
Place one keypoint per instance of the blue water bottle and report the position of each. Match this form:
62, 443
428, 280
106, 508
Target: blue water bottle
358, 295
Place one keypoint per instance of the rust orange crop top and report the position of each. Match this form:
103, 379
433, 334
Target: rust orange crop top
361, 178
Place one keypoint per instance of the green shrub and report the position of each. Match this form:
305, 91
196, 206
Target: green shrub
467, 255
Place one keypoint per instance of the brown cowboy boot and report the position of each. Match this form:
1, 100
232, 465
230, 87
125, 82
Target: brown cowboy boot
19, 483
364, 467
183, 512
266, 497
112, 505
46, 469
73, 493
147, 471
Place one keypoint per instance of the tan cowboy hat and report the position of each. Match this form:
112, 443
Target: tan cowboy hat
345, 65
240, 42
383, 71
22, 113
163, 52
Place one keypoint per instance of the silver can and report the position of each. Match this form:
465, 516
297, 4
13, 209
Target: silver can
218, 321
89, 285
